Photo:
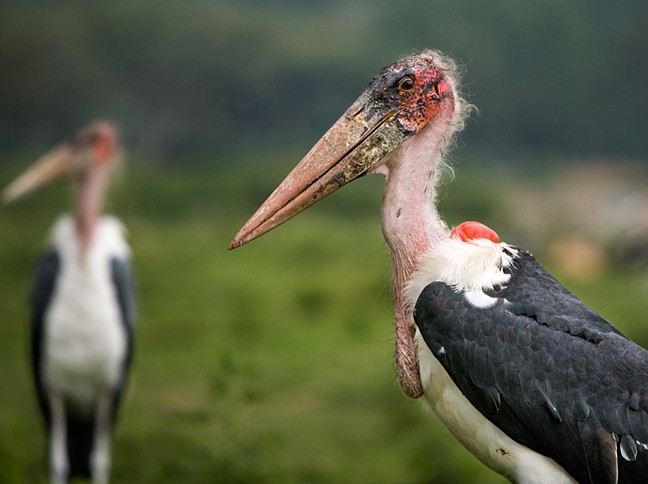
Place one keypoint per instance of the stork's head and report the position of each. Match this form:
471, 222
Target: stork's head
398, 103
94, 147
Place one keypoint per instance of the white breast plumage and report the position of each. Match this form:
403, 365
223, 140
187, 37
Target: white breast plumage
85, 338
470, 267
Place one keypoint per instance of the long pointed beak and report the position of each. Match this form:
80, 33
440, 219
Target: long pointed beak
349, 149
51, 165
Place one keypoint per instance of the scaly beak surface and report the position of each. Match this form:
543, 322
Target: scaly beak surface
50, 166
350, 148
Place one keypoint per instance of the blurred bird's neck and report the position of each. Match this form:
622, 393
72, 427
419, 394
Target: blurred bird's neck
89, 204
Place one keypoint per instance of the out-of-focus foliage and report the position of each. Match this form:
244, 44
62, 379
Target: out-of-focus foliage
199, 75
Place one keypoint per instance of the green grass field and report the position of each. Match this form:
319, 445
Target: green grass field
271, 363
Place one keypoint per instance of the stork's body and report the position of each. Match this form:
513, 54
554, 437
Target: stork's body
541, 366
82, 312
505, 356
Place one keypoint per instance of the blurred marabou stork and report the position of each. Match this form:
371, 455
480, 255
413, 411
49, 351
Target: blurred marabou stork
530, 380
81, 309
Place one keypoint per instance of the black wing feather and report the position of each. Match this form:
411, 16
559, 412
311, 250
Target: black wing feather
123, 282
560, 379
535, 293
47, 272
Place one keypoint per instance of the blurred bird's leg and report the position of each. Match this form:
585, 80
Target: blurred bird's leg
101, 449
59, 464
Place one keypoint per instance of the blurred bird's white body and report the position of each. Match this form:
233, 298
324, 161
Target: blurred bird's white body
85, 340
82, 308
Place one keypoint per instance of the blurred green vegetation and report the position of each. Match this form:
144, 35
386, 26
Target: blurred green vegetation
272, 363
204, 75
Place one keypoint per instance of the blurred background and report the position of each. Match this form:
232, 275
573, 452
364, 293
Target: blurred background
273, 363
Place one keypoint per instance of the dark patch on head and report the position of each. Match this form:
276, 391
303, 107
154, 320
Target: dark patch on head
416, 105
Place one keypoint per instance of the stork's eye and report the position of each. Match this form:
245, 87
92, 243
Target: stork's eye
406, 84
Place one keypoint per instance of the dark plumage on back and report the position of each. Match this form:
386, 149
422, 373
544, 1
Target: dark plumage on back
533, 292
547, 370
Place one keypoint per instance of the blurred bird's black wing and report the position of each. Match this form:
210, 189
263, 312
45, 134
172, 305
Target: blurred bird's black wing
123, 282
547, 370
124, 285
47, 272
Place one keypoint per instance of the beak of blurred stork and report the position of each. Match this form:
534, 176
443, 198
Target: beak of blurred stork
389, 111
52, 165
94, 145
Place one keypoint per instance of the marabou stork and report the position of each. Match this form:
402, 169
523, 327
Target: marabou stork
81, 309
530, 380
